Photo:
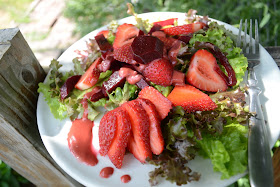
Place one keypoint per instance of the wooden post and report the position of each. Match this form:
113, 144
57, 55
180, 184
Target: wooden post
20, 144
275, 53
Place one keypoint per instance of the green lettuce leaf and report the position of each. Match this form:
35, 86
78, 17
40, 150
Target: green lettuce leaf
51, 90
57, 108
164, 90
121, 95
227, 151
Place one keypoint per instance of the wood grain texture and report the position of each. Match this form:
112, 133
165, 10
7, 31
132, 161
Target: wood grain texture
20, 143
275, 53
276, 166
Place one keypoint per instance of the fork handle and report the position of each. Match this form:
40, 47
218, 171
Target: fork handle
260, 161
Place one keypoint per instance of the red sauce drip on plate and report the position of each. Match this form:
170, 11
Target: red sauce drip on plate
125, 178
79, 141
106, 172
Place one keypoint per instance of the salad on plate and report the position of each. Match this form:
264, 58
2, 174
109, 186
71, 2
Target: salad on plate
166, 93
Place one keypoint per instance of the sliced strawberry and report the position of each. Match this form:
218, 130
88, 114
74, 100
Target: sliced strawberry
166, 22
90, 77
139, 142
119, 143
184, 29
125, 34
191, 99
124, 53
162, 104
107, 131
156, 139
203, 72
104, 32
159, 71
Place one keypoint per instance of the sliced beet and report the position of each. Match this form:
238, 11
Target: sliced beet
142, 83
146, 49
96, 94
114, 81
156, 27
68, 86
141, 32
103, 43
185, 38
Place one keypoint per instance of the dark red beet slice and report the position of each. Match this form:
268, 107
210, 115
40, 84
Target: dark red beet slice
231, 78
114, 81
68, 86
103, 43
185, 38
146, 49
141, 33
155, 28
142, 84
96, 94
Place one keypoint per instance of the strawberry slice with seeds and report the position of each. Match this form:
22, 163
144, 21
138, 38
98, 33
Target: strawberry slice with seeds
162, 104
191, 99
139, 141
90, 77
204, 72
119, 143
184, 29
159, 71
107, 131
124, 53
125, 34
166, 22
156, 139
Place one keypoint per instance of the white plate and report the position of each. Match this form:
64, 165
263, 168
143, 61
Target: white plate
54, 132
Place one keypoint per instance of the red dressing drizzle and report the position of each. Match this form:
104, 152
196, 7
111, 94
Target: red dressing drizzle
125, 178
131, 76
79, 141
106, 172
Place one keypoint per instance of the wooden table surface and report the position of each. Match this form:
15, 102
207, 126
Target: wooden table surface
275, 53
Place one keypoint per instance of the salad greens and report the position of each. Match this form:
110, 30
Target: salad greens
219, 134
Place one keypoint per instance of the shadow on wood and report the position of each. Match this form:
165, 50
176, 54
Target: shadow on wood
20, 143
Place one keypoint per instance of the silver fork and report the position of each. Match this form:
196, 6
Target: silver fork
259, 156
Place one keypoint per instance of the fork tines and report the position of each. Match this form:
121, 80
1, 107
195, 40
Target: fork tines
252, 45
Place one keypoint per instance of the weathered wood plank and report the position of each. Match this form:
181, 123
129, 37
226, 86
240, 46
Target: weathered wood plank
276, 166
20, 143
275, 53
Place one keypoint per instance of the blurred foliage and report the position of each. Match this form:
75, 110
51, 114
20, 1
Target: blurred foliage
91, 14
8, 177
16, 9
